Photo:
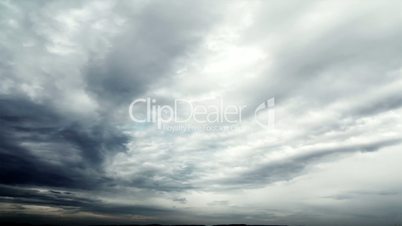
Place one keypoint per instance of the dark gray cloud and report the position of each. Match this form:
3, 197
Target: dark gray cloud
36, 144
73, 203
153, 40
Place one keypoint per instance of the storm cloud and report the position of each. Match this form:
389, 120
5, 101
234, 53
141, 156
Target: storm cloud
71, 154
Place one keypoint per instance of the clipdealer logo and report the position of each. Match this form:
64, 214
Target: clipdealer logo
191, 113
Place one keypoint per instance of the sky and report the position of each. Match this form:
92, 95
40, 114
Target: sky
327, 74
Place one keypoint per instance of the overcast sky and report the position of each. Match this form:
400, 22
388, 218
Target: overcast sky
70, 153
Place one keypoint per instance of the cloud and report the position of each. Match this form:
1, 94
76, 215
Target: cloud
69, 71
71, 203
148, 48
291, 166
41, 147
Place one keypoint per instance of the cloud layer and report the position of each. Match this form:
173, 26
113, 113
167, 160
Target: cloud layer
71, 154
